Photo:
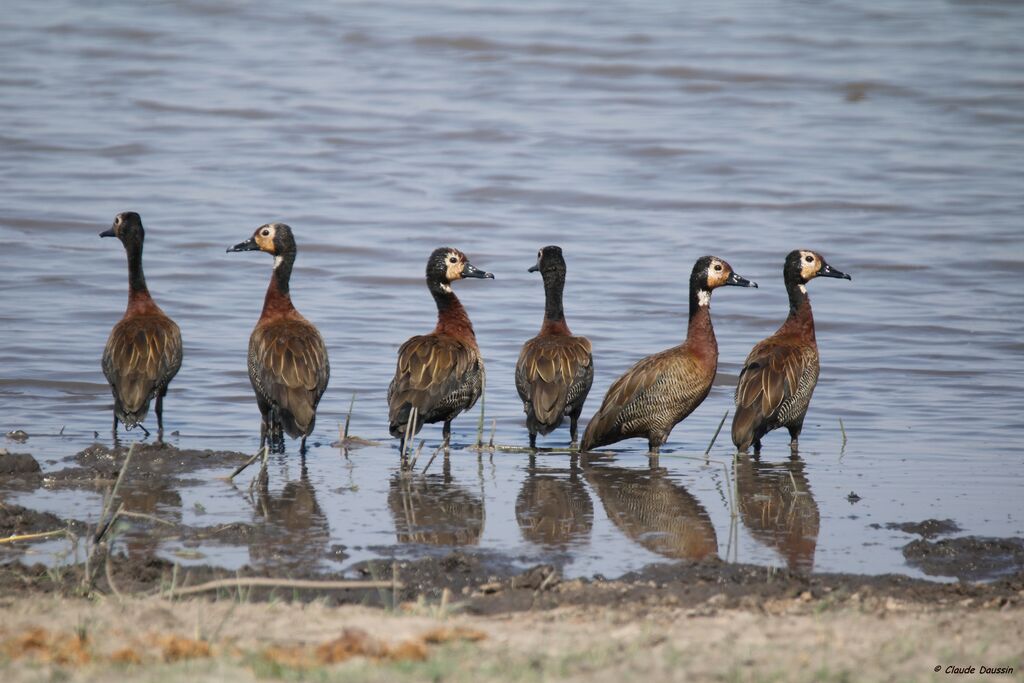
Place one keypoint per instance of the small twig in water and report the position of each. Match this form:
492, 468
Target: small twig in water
431, 461
494, 428
717, 431
843, 430
416, 455
238, 470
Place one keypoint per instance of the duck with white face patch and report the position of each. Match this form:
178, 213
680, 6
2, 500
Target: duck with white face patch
781, 372
440, 374
659, 391
288, 365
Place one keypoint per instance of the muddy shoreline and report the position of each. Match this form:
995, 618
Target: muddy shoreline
482, 582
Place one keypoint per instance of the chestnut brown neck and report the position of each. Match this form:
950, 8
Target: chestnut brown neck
699, 331
278, 301
139, 300
800, 320
554, 316
554, 328
452, 319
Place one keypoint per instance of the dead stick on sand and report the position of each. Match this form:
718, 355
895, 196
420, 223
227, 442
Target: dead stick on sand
267, 582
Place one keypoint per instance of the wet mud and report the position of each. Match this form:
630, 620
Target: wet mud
970, 558
442, 521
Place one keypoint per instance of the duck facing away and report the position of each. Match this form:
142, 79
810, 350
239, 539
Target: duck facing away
780, 374
440, 374
143, 352
555, 368
288, 365
660, 390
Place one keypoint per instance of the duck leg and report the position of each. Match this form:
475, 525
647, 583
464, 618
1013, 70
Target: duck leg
302, 448
446, 432
160, 412
533, 440
574, 423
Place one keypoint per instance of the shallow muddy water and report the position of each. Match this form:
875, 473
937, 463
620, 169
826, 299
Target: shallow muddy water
637, 138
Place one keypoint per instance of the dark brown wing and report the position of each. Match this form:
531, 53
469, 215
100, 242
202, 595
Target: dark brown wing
776, 379
650, 397
549, 368
143, 354
288, 367
438, 375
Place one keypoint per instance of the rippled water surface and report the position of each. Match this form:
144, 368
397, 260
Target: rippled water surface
889, 136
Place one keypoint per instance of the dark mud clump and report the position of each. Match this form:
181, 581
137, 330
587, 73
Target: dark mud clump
17, 520
13, 464
971, 558
929, 528
149, 461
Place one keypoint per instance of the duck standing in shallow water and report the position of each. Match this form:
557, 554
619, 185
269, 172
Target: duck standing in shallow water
555, 368
143, 352
780, 374
660, 390
288, 365
440, 374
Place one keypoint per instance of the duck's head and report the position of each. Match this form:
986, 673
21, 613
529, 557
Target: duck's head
127, 227
448, 264
273, 238
711, 272
803, 265
549, 262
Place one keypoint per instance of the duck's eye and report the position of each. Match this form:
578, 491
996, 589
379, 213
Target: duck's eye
718, 266
265, 233
452, 259
809, 258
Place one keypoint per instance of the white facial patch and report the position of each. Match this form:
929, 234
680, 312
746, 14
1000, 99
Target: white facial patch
803, 289
446, 287
278, 260
703, 298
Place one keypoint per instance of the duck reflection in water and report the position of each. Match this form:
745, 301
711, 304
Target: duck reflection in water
553, 508
434, 510
290, 529
778, 509
156, 497
654, 511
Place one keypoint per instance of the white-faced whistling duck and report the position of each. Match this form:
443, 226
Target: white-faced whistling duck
143, 352
288, 365
660, 390
555, 368
779, 375
440, 374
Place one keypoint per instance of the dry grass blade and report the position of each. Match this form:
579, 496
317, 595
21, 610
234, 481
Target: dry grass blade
29, 537
267, 582
102, 530
348, 416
